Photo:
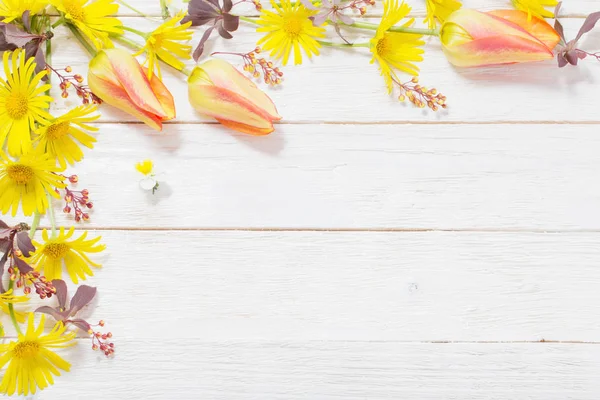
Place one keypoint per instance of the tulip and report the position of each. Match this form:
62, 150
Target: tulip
473, 38
217, 89
118, 79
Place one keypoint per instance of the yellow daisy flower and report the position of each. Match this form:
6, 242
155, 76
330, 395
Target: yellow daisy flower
54, 253
62, 137
536, 7
289, 27
92, 19
7, 298
28, 181
31, 361
22, 102
440, 10
164, 43
14, 9
395, 50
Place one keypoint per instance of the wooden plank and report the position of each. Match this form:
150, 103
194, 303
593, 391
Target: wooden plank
569, 8
183, 367
365, 286
318, 91
347, 176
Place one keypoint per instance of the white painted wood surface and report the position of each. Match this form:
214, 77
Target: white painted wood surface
407, 254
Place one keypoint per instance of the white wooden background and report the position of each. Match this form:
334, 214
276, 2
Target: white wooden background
365, 250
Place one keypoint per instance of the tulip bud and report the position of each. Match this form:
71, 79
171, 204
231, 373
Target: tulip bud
119, 80
473, 38
217, 89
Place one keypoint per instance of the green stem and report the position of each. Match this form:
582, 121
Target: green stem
51, 213
142, 34
132, 9
165, 9
128, 42
36, 221
11, 308
343, 45
401, 29
82, 40
251, 20
58, 22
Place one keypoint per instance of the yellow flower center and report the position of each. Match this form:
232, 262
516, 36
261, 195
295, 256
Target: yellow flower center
20, 174
57, 131
26, 349
383, 46
17, 105
56, 250
75, 10
293, 26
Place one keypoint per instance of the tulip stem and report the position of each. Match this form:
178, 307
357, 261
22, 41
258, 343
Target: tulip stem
82, 40
342, 45
401, 29
36, 222
132, 30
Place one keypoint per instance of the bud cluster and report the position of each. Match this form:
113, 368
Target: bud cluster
77, 201
42, 286
421, 96
74, 81
100, 341
258, 67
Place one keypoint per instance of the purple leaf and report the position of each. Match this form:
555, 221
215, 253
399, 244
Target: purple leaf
320, 18
345, 18
588, 24
201, 12
16, 36
24, 268
81, 324
58, 316
571, 57
223, 32
227, 5
24, 244
61, 293
5, 232
3, 224
26, 20
231, 22
559, 29
562, 61
82, 297
200, 49
2, 263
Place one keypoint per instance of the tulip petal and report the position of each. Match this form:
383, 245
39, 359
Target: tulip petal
224, 75
164, 97
135, 82
118, 98
225, 105
497, 50
481, 25
534, 25
249, 129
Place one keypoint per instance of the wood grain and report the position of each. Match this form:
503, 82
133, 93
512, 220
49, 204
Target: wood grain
518, 177
366, 286
185, 368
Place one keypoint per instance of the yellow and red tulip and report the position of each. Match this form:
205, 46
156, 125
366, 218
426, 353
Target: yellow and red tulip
217, 89
472, 38
119, 80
